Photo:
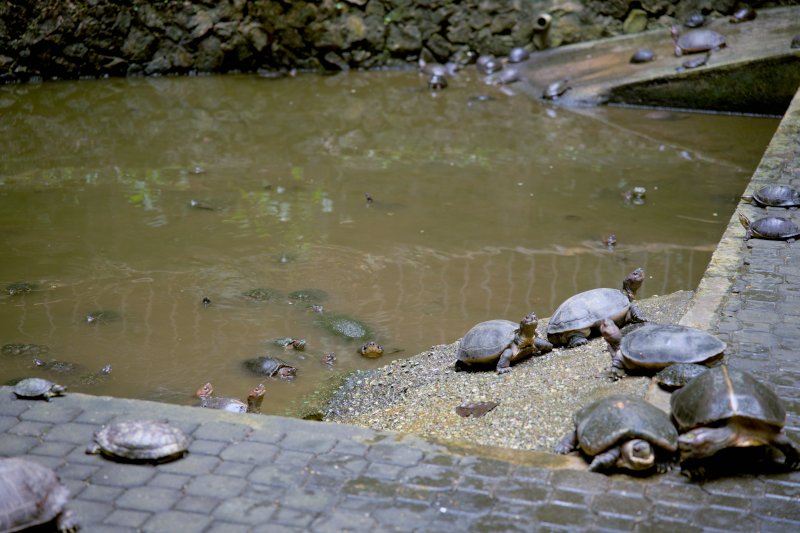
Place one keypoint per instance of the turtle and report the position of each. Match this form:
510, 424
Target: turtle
31, 495
17, 348
743, 15
270, 366
201, 204
291, 342
432, 69
95, 378
20, 287
556, 89
795, 41
263, 294
505, 77
57, 366
343, 326
232, 405
694, 62
309, 295
437, 82
653, 347
329, 358
695, 20
579, 316
643, 55
371, 349
144, 441
102, 316
696, 41
38, 389
518, 54
676, 376
500, 343
622, 432
728, 408
774, 196
771, 228
487, 64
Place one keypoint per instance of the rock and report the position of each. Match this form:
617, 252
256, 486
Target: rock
635, 22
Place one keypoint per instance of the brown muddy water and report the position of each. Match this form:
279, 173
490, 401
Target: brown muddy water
482, 209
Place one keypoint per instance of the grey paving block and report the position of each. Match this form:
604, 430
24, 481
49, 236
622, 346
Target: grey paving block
634, 506
147, 499
101, 494
197, 504
172, 521
565, 516
191, 465
123, 475
30, 429
338, 465
215, 486
55, 411
316, 442
250, 452
308, 499
233, 468
408, 515
221, 431
725, 519
207, 447
90, 512
228, 527
55, 449
580, 481
383, 471
15, 445
337, 521
370, 487
169, 481
519, 489
278, 474
124, 518
777, 508
295, 518
430, 476
71, 432
7, 422
394, 455
10, 406
77, 472
245, 509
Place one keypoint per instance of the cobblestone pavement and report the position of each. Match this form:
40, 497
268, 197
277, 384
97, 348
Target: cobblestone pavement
266, 473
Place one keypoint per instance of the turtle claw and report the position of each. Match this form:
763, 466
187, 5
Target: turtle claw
503, 370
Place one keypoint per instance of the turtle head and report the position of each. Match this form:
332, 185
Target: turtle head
636, 454
529, 323
744, 221
205, 391
371, 349
106, 370
611, 333
705, 442
286, 372
632, 282
675, 31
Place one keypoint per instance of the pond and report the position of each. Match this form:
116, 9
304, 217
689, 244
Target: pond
144, 196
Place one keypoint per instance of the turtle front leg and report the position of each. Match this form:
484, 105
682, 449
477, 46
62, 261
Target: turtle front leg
617, 366
504, 364
567, 444
605, 460
790, 452
636, 314
578, 339
542, 346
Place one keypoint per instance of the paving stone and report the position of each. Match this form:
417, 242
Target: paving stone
725, 519
192, 465
55, 449
466, 500
566, 516
77, 472
90, 512
7, 422
486, 484
51, 412
367, 486
394, 455
216, 486
97, 418
777, 508
580, 481
172, 521
169, 481
197, 504
206, 447
383, 470
429, 476
233, 468
516, 489
15, 445
123, 475
304, 498
337, 521
768, 525
71, 432
124, 518
147, 499
30, 429
295, 518
408, 515
351, 447
221, 431
245, 510
316, 443
13, 407
486, 468
282, 475
228, 527
633, 506
250, 452
339, 465
100, 493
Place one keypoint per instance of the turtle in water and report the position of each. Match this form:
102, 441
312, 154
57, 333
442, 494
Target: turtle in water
57, 366
309, 295
653, 347
556, 89
270, 366
103, 316
518, 54
254, 399
38, 389
696, 41
343, 325
262, 294
580, 316
290, 342
771, 228
727, 408
201, 204
743, 15
437, 82
622, 432
500, 343
774, 196
20, 287
643, 55
95, 378
676, 376
371, 350
143, 441
506, 76
17, 348
31, 495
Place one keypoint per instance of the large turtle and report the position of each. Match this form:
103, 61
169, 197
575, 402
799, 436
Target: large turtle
696, 41
500, 343
726, 408
774, 196
144, 441
771, 228
31, 495
622, 432
653, 347
580, 315
270, 366
38, 389
232, 405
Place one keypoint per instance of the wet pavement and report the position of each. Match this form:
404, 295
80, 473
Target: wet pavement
267, 473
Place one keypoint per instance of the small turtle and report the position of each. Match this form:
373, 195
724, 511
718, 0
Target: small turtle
555, 90
506, 76
270, 366
371, 349
263, 295
31, 495
695, 20
290, 342
437, 83
643, 55
774, 196
795, 41
17, 348
771, 228
610, 241
343, 326
694, 62
500, 343
654, 347
140, 441
200, 204
38, 389
676, 376
726, 408
329, 358
487, 64
309, 295
580, 316
102, 317
232, 405
622, 432
20, 287
743, 15
95, 378
635, 196
696, 41
59, 367
518, 54
206, 301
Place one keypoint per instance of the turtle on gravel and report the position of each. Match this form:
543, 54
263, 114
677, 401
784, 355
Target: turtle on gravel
771, 228
654, 347
145, 441
254, 399
500, 343
371, 350
38, 389
774, 196
643, 55
676, 376
580, 315
622, 432
270, 366
727, 408
31, 495
696, 41
555, 90
743, 14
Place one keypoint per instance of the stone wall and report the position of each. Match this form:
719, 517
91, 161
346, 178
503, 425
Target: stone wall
44, 39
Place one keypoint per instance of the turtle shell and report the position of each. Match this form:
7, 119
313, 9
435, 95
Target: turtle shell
777, 196
700, 40
775, 228
231, 405
30, 494
722, 393
518, 55
265, 365
586, 310
612, 420
343, 325
677, 375
486, 341
37, 388
140, 440
656, 346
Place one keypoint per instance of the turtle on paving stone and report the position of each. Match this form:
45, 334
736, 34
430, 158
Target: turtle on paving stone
727, 408
38, 389
140, 441
580, 315
771, 228
654, 347
500, 343
31, 495
676, 376
694, 62
743, 14
643, 55
774, 196
254, 399
696, 41
270, 366
622, 432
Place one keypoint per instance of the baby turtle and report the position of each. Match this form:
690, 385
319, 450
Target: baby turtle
771, 228
270, 366
102, 317
437, 83
580, 316
743, 15
254, 399
140, 441
95, 378
774, 196
654, 347
506, 76
371, 349
694, 62
262, 294
726, 408
518, 54
20, 287
38, 389
696, 41
676, 376
643, 55
622, 432
500, 343
555, 90
695, 20
31, 495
